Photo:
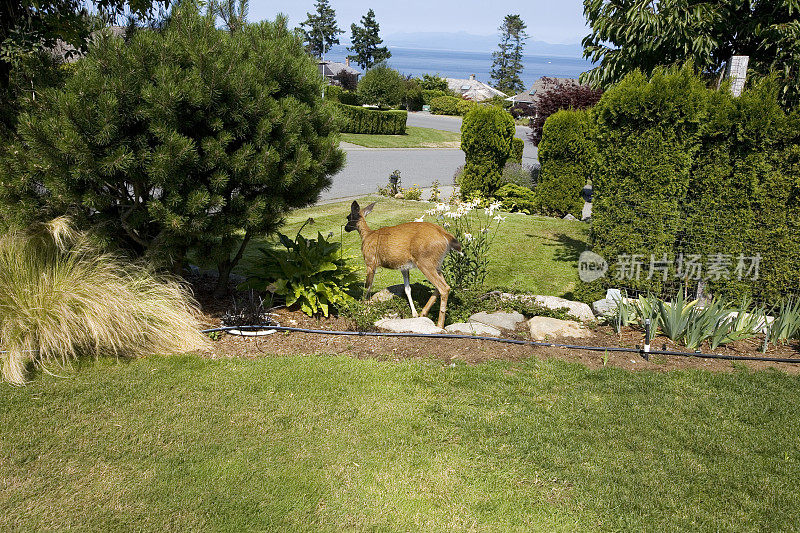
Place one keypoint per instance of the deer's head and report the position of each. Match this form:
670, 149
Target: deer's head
356, 214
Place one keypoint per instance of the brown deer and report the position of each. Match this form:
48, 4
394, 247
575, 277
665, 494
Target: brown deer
403, 247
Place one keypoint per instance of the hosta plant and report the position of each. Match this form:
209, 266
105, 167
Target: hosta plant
309, 273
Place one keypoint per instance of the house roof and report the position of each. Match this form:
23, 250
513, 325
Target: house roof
539, 87
329, 69
472, 89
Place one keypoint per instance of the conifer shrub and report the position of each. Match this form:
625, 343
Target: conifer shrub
355, 119
517, 147
568, 155
517, 198
687, 172
188, 138
486, 139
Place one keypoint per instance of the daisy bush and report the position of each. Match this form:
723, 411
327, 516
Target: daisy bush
475, 227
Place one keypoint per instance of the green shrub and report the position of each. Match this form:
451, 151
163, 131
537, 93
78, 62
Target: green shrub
354, 119
486, 138
517, 198
428, 95
309, 272
349, 98
333, 93
517, 147
62, 297
451, 105
163, 149
689, 171
568, 155
381, 86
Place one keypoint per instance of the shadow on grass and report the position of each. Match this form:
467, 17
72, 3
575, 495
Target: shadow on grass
568, 249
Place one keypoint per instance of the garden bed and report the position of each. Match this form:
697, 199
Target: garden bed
474, 351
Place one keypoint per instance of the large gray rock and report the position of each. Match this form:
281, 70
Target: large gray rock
579, 310
473, 328
604, 307
500, 319
543, 328
420, 324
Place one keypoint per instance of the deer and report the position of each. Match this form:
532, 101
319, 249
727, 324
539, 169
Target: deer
412, 244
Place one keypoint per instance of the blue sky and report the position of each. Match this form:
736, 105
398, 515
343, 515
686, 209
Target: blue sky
559, 21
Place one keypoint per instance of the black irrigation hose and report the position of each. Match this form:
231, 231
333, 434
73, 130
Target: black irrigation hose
507, 341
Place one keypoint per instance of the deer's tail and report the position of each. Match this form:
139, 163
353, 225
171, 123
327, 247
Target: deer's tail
455, 246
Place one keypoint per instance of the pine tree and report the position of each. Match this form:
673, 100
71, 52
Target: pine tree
366, 42
193, 138
320, 30
507, 64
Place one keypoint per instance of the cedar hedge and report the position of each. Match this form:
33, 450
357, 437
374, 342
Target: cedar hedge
354, 119
517, 146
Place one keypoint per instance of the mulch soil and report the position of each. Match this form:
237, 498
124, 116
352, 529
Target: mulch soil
469, 350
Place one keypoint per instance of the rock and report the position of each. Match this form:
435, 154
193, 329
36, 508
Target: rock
473, 328
420, 324
399, 196
579, 310
569, 216
604, 307
500, 319
388, 293
543, 327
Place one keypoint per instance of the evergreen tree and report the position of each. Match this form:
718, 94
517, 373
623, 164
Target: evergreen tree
190, 138
507, 64
320, 30
366, 42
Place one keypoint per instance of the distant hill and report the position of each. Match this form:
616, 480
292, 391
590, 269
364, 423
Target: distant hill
476, 43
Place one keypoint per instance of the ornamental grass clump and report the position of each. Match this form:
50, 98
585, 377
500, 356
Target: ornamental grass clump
62, 297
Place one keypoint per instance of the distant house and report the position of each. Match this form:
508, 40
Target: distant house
332, 69
472, 89
540, 87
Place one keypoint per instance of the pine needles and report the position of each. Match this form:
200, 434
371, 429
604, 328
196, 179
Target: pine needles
62, 297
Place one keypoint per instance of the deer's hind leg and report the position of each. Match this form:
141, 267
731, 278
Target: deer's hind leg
442, 289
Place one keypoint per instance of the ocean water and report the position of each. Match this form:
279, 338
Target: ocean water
460, 64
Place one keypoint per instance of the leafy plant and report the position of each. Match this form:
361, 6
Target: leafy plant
736, 325
786, 324
674, 317
412, 193
624, 314
363, 314
647, 307
475, 228
435, 192
310, 273
62, 297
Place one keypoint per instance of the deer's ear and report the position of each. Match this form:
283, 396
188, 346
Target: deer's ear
354, 208
367, 209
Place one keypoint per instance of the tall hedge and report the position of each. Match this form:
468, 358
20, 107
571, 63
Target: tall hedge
568, 155
487, 134
689, 171
355, 119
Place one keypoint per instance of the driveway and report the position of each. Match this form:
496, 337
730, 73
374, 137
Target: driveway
368, 168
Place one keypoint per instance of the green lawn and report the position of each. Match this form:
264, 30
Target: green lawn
414, 138
531, 253
316, 443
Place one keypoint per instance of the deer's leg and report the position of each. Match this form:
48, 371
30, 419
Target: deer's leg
442, 288
368, 282
407, 284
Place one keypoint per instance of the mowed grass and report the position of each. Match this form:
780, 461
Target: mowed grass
529, 254
317, 443
414, 138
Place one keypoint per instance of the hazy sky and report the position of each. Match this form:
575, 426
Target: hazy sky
558, 21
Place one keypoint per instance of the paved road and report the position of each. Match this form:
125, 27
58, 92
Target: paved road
368, 168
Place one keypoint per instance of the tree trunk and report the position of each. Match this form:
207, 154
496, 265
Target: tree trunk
225, 267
